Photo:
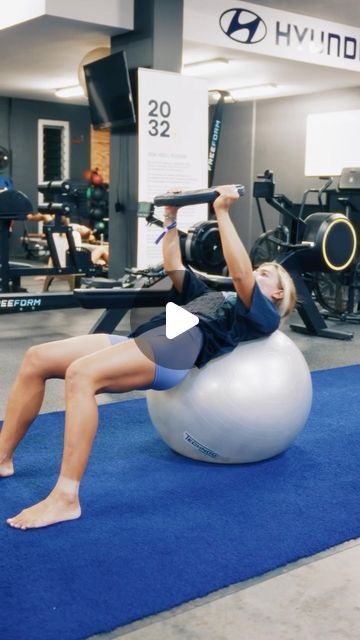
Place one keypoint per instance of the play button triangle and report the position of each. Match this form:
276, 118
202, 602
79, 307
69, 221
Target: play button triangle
178, 320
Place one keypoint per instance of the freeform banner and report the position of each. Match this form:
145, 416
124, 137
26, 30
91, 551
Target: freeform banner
256, 29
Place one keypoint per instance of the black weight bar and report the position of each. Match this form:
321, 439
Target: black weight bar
55, 207
55, 186
186, 198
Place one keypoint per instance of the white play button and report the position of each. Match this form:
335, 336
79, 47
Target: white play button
178, 320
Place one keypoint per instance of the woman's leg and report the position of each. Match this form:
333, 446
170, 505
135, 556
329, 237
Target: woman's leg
49, 360
121, 367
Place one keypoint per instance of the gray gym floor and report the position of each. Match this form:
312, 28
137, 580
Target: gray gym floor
314, 598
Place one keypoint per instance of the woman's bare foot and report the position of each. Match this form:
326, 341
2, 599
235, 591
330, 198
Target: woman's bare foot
57, 507
6, 468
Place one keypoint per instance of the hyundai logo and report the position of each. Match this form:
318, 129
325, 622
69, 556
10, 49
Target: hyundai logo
243, 26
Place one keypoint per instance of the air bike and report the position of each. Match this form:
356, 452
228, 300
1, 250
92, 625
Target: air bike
325, 242
310, 243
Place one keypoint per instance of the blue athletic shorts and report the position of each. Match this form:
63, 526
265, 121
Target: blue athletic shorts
173, 358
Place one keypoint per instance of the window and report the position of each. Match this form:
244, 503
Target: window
53, 151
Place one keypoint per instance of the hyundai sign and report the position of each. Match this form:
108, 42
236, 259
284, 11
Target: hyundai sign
251, 27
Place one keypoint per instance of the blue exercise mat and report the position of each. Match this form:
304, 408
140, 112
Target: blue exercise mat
159, 529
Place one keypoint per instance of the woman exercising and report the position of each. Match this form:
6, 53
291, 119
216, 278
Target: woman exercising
97, 363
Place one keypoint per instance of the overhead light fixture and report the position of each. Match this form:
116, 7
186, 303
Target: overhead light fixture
70, 92
255, 91
214, 65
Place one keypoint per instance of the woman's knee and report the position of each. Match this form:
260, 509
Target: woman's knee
78, 377
35, 360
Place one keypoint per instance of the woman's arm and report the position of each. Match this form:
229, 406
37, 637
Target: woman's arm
235, 254
171, 251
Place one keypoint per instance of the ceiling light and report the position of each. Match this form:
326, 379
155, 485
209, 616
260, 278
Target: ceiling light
214, 65
255, 91
69, 92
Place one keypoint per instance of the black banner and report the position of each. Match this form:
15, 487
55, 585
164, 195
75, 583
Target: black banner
214, 137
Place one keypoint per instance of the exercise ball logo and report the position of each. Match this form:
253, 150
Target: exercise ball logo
243, 26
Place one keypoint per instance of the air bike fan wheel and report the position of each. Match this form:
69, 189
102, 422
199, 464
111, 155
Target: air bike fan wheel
332, 239
201, 248
334, 247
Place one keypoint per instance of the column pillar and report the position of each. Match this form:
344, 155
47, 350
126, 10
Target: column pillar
156, 43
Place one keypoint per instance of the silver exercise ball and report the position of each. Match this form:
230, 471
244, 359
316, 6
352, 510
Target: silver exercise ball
245, 406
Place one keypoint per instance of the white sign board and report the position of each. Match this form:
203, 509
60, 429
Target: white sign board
173, 148
251, 27
332, 142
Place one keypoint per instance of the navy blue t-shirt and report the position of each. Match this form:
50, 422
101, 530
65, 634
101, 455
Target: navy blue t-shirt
223, 318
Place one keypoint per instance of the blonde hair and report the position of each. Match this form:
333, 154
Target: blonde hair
287, 303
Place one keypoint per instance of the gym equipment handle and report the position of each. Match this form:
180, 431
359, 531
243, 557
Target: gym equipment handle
185, 198
54, 207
